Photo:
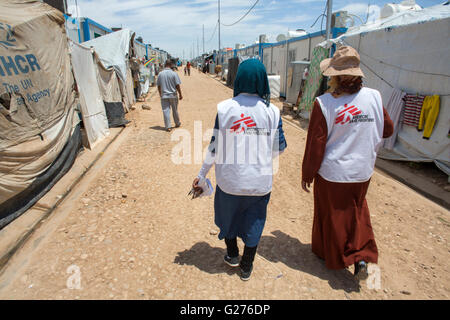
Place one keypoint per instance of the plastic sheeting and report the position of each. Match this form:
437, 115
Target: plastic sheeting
22, 163
108, 82
37, 113
116, 115
35, 71
92, 107
18, 204
114, 50
409, 52
295, 81
274, 84
394, 107
402, 18
127, 89
314, 79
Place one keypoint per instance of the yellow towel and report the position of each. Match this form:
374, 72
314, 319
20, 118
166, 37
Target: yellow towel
428, 115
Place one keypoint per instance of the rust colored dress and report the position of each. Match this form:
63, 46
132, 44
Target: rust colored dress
342, 233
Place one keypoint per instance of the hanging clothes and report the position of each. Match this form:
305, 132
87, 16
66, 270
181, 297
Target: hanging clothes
394, 107
412, 110
428, 115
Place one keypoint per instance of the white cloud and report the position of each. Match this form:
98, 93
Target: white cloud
297, 19
359, 8
176, 25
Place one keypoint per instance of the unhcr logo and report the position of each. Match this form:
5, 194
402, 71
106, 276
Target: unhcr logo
6, 35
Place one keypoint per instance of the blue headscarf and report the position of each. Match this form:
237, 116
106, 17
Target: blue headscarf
252, 78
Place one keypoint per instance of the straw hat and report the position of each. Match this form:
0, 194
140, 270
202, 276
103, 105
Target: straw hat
344, 62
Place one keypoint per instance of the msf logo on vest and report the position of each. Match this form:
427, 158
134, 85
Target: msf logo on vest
243, 123
347, 114
6, 36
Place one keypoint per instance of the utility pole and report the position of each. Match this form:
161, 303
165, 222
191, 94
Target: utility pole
203, 39
218, 54
329, 13
76, 4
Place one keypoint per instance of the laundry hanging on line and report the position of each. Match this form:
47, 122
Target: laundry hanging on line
412, 109
428, 115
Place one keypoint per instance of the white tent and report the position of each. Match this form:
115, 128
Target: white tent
92, 106
39, 131
114, 51
409, 51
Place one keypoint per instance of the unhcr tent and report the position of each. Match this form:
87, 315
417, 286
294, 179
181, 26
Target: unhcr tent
409, 52
39, 131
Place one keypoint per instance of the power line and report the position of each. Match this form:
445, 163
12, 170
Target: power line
229, 25
368, 10
384, 80
323, 15
214, 32
405, 69
397, 66
317, 20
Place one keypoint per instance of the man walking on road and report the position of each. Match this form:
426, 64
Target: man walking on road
168, 84
188, 66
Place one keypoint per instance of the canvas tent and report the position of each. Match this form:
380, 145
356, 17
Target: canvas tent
114, 51
108, 81
39, 130
92, 107
409, 51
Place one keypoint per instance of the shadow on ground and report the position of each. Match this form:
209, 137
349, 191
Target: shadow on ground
298, 256
206, 258
277, 248
158, 128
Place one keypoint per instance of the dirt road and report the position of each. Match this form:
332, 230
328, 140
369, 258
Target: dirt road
134, 234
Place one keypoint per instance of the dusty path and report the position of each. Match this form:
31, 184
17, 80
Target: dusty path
134, 234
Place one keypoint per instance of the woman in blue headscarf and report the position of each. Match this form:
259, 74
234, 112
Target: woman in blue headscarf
248, 134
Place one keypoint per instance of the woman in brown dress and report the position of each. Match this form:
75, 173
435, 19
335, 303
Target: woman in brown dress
346, 128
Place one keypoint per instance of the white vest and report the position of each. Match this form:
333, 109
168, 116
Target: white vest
355, 131
247, 129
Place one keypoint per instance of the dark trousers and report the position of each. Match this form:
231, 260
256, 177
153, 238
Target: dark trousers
247, 257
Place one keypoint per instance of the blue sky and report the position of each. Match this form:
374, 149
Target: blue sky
176, 26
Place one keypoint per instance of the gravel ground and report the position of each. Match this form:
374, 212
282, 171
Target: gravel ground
134, 233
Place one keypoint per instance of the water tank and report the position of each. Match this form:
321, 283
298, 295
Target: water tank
281, 37
296, 33
339, 19
263, 38
390, 9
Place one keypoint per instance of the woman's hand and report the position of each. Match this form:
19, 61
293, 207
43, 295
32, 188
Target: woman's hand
306, 185
195, 183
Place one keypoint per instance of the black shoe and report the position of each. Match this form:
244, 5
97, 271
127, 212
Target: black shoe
245, 275
232, 262
361, 272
